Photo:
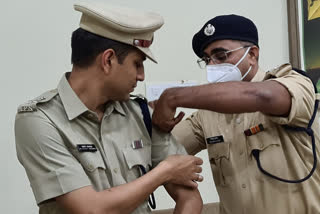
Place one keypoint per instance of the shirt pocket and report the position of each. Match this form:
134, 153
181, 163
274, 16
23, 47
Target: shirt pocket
135, 159
91, 161
271, 155
95, 168
219, 159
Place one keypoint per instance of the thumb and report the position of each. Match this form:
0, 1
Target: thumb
191, 184
178, 118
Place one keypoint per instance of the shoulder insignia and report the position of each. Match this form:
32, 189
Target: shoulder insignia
279, 71
279, 67
31, 105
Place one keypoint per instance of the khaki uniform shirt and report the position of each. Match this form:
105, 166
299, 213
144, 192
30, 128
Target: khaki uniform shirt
50, 129
242, 188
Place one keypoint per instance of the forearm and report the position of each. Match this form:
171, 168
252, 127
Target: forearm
123, 199
126, 198
232, 97
188, 200
178, 169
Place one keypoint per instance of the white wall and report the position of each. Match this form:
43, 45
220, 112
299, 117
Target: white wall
35, 51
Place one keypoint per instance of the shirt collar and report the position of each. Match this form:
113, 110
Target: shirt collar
259, 76
71, 102
73, 105
118, 107
114, 106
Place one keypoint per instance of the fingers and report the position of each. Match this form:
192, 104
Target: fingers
200, 178
191, 184
197, 177
198, 169
186, 170
162, 124
178, 118
198, 161
169, 125
153, 103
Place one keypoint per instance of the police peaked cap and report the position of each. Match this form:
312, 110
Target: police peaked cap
231, 27
121, 24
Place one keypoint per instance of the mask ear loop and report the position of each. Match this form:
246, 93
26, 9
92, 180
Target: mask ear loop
245, 54
242, 58
246, 73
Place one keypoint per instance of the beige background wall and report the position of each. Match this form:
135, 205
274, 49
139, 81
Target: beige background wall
35, 51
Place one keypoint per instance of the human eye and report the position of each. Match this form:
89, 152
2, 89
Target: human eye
220, 56
138, 64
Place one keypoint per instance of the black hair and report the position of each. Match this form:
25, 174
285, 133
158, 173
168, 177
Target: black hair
86, 46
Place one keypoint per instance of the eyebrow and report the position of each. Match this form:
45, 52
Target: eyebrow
217, 50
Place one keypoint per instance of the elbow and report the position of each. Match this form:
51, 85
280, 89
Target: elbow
274, 102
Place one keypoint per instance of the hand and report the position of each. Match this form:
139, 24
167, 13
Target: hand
153, 103
164, 111
183, 169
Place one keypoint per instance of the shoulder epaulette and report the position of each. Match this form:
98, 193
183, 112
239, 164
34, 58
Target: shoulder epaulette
278, 68
31, 105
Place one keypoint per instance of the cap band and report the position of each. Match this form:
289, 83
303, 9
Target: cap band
142, 43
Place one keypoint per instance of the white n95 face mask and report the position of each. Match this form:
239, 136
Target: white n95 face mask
226, 72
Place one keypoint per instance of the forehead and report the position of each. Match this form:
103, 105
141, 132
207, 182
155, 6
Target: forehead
221, 45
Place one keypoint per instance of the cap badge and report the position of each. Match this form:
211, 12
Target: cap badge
142, 43
209, 30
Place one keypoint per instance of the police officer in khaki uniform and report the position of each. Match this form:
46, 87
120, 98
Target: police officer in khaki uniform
257, 126
85, 146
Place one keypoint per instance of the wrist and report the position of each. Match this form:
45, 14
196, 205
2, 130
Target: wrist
163, 171
170, 97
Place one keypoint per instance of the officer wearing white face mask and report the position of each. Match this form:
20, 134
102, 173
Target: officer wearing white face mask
226, 72
258, 127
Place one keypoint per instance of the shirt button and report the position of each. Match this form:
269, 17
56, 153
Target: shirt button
262, 145
115, 170
244, 186
238, 120
241, 152
41, 98
90, 166
212, 161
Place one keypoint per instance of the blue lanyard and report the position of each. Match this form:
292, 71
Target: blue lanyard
147, 122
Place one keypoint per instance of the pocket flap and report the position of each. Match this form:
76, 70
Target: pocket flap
90, 160
219, 150
136, 157
261, 143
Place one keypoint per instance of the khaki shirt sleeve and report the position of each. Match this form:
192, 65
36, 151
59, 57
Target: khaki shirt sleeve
189, 133
163, 145
51, 168
303, 98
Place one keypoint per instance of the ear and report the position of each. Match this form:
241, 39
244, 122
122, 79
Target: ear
253, 55
108, 58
